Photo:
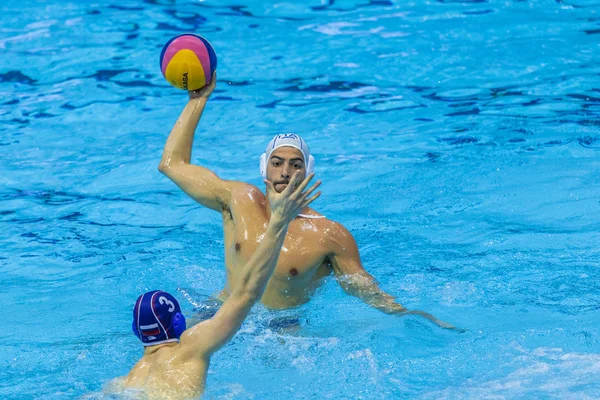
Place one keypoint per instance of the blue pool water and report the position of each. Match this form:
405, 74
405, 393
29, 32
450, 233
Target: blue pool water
457, 140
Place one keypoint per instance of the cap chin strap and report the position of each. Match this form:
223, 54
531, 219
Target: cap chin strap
263, 164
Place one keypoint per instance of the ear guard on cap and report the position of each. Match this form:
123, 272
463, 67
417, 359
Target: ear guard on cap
178, 324
263, 165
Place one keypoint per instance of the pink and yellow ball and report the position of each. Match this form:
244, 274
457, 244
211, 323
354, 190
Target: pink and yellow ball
188, 61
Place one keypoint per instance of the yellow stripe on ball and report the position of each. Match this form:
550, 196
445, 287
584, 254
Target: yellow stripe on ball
185, 71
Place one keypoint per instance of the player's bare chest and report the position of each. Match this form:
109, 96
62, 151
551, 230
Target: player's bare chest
304, 247
301, 237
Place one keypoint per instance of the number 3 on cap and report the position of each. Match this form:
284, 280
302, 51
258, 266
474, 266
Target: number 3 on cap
164, 300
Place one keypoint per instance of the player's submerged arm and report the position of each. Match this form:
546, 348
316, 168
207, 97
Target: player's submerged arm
198, 182
209, 336
355, 280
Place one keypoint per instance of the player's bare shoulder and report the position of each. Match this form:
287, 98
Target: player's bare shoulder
242, 192
335, 233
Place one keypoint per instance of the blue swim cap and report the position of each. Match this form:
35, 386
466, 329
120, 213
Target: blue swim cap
157, 318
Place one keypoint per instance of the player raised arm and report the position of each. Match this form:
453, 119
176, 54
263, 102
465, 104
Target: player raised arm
196, 181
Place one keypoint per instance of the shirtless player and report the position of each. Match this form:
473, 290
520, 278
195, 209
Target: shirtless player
176, 360
314, 246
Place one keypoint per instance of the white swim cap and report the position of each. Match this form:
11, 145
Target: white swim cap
289, 140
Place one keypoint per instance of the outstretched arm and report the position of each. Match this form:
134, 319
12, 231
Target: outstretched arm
207, 337
356, 281
198, 182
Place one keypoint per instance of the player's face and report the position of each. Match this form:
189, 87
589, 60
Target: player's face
282, 165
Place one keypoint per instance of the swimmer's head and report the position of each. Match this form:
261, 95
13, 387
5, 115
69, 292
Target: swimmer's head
285, 154
157, 318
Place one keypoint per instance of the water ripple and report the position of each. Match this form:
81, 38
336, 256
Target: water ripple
457, 140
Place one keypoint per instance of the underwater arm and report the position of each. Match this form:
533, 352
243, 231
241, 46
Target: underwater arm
355, 280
